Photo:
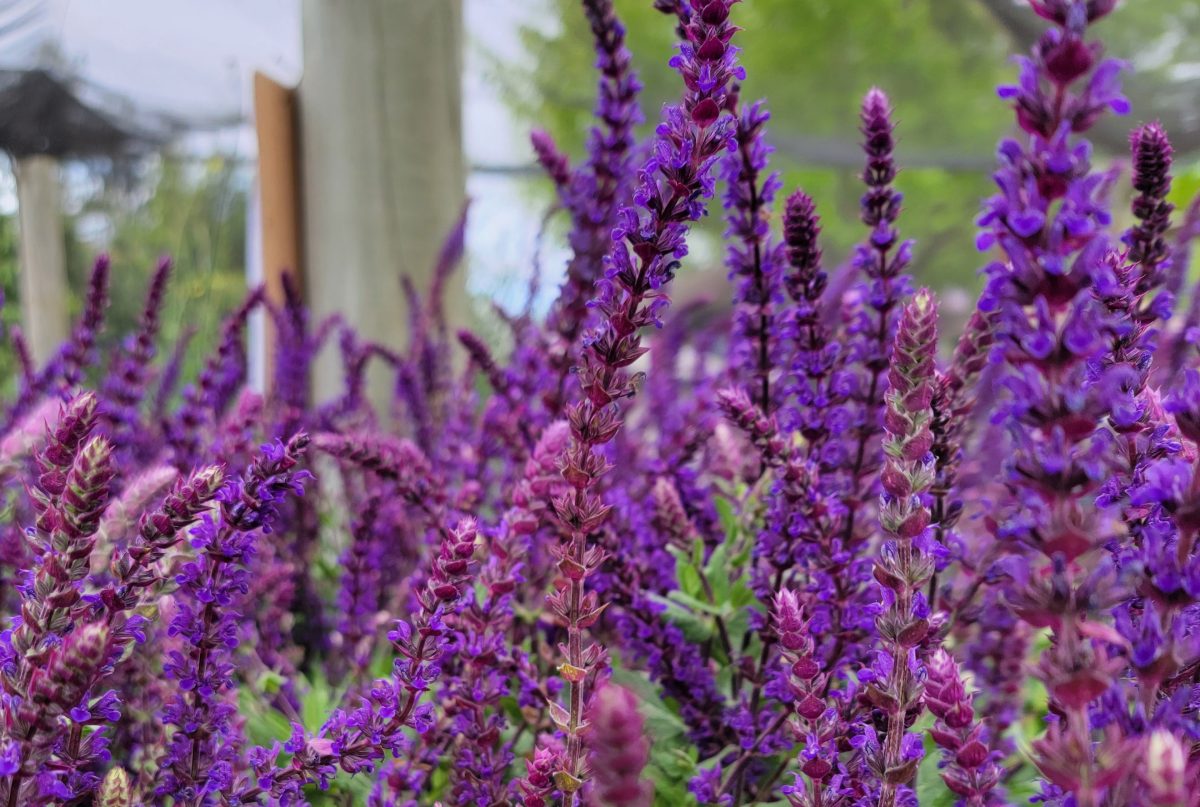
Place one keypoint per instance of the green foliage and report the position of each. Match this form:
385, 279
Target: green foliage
812, 60
1185, 188
940, 82
673, 760
10, 315
195, 214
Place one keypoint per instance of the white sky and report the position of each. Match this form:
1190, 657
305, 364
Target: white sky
194, 60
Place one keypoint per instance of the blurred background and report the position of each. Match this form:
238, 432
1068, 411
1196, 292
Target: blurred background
341, 138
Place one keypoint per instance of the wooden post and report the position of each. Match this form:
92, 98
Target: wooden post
383, 175
278, 193
42, 251
278, 186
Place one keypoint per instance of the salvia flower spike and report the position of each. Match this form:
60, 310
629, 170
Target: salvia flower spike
815, 545
650, 243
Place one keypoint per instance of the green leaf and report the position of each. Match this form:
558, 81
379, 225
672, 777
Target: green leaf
931, 790
512, 709
270, 682
727, 517
737, 624
264, 726
696, 628
662, 722
318, 703
717, 572
695, 604
742, 595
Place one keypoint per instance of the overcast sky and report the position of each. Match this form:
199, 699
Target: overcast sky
194, 60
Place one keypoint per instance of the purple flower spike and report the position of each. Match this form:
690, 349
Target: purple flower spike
906, 565
594, 193
649, 241
213, 587
1152, 180
753, 257
618, 750
125, 385
970, 769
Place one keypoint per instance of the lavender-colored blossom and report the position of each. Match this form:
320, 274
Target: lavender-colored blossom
1152, 181
882, 262
815, 392
595, 192
124, 388
487, 621
648, 244
537, 787
359, 740
1048, 218
360, 596
753, 257
816, 726
906, 563
72, 490
64, 372
618, 750
969, 767
39, 771
205, 401
773, 522
198, 766
77, 353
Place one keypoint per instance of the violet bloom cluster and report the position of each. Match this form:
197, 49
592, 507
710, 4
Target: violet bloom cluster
675, 664
358, 740
819, 730
44, 645
806, 549
1155, 470
754, 257
483, 755
207, 399
1049, 220
128, 378
617, 750
64, 372
649, 242
815, 357
882, 260
969, 767
906, 562
593, 193
815, 534
200, 766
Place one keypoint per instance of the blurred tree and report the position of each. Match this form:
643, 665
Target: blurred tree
812, 60
193, 212
11, 313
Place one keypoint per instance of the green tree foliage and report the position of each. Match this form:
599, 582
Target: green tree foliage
192, 212
11, 314
196, 214
938, 60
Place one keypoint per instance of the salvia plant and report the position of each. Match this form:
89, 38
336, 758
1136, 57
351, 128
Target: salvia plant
822, 552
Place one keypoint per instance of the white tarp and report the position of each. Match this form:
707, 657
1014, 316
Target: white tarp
187, 63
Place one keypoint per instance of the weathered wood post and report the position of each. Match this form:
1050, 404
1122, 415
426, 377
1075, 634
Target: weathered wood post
382, 163
41, 245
